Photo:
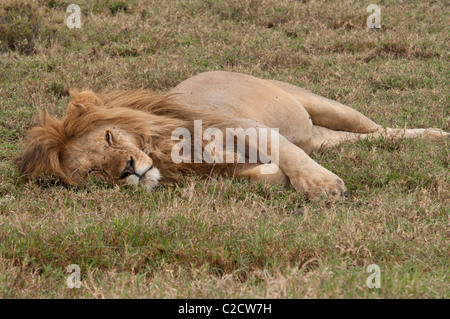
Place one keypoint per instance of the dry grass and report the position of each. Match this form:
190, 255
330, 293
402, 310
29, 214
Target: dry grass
218, 238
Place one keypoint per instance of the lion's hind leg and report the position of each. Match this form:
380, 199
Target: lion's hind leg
335, 123
328, 113
323, 138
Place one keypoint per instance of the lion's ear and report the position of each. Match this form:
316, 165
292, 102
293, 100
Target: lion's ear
81, 101
73, 92
88, 98
75, 109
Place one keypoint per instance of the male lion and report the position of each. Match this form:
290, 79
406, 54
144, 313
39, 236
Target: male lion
125, 137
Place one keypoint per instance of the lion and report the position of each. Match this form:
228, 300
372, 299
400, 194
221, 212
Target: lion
126, 137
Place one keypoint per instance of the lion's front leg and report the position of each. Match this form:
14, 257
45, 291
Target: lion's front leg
303, 172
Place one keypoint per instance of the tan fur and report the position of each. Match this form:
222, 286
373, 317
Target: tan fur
141, 123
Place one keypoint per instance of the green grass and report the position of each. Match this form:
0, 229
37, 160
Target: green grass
219, 238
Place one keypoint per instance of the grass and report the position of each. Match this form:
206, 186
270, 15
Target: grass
219, 238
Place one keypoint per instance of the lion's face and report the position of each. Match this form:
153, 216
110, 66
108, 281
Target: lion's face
112, 154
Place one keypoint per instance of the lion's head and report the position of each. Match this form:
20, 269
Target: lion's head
112, 153
122, 137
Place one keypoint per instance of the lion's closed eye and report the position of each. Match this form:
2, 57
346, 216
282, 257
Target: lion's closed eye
108, 138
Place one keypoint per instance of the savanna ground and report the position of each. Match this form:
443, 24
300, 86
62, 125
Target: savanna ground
217, 238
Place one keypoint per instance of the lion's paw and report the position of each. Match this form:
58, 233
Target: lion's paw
319, 184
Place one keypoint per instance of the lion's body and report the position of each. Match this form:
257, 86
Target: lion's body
139, 128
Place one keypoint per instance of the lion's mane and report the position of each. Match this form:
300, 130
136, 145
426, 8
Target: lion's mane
148, 116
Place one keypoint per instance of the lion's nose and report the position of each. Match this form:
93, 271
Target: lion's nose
129, 168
